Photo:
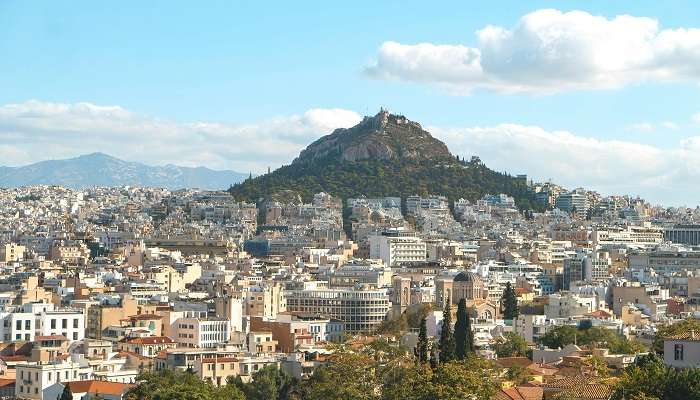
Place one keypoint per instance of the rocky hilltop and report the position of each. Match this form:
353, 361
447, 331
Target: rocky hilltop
382, 137
383, 155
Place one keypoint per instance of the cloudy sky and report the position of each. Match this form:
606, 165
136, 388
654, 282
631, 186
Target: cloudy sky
604, 95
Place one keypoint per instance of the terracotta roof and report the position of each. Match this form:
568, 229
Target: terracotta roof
507, 362
220, 360
50, 337
590, 391
145, 317
689, 336
150, 340
520, 393
6, 382
599, 314
13, 358
101, 387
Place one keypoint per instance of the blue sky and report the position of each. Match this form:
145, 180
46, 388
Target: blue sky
255, 65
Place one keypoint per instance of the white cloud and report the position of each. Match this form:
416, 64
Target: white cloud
610, 166
642, 127
669, 125
549, 51
696, 118
35, 130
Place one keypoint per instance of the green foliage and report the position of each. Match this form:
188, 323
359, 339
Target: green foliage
267, 383
349, 376
447, 341
649, 378
464, 337
410, 319
423, 345
561, 336
376, 178
684, 326
512, 346
175, 385
509, 303
358, 376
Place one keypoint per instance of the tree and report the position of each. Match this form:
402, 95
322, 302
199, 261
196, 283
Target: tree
649, 378
422, 346
559, 336
346, 375
509, 303
463, 334
66, 394
686, 325
267, 383
177, 385
433, 357
447, 342
512, 345
470, 379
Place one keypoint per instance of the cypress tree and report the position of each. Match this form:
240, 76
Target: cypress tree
461, 334
433, 357
509, 302
66, 394
470, 335
422, 347
447, 341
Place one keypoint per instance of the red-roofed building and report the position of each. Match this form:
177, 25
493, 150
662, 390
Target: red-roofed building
147, 346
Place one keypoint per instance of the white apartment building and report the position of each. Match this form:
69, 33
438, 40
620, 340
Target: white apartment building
562, 305
396, 247
531, 327
34, 378
41, 319
202, 332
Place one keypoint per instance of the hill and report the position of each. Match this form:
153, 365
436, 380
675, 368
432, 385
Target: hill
98, 169
384, 155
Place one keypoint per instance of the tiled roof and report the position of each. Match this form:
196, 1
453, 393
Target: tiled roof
6, 382
150, 340
101, 387
50, 337
520, 393
592, 391
507, 362
220, 360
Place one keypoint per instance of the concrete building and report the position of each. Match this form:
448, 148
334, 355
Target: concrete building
360, 310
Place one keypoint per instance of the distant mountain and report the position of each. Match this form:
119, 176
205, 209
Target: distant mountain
384, 155
98, 169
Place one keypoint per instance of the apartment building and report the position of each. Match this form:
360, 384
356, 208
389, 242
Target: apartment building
202, 332
396, 247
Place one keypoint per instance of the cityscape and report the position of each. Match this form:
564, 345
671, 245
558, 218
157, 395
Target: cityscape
335, 254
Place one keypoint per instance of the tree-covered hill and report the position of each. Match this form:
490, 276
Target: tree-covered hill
350, 163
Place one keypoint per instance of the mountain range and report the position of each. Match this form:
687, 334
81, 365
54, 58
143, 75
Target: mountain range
383, 155
99, 169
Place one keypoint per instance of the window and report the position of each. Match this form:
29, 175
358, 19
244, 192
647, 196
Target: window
64, 323
19, 325
75, 323
27, 324
53, 323
678, 352
75, 335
